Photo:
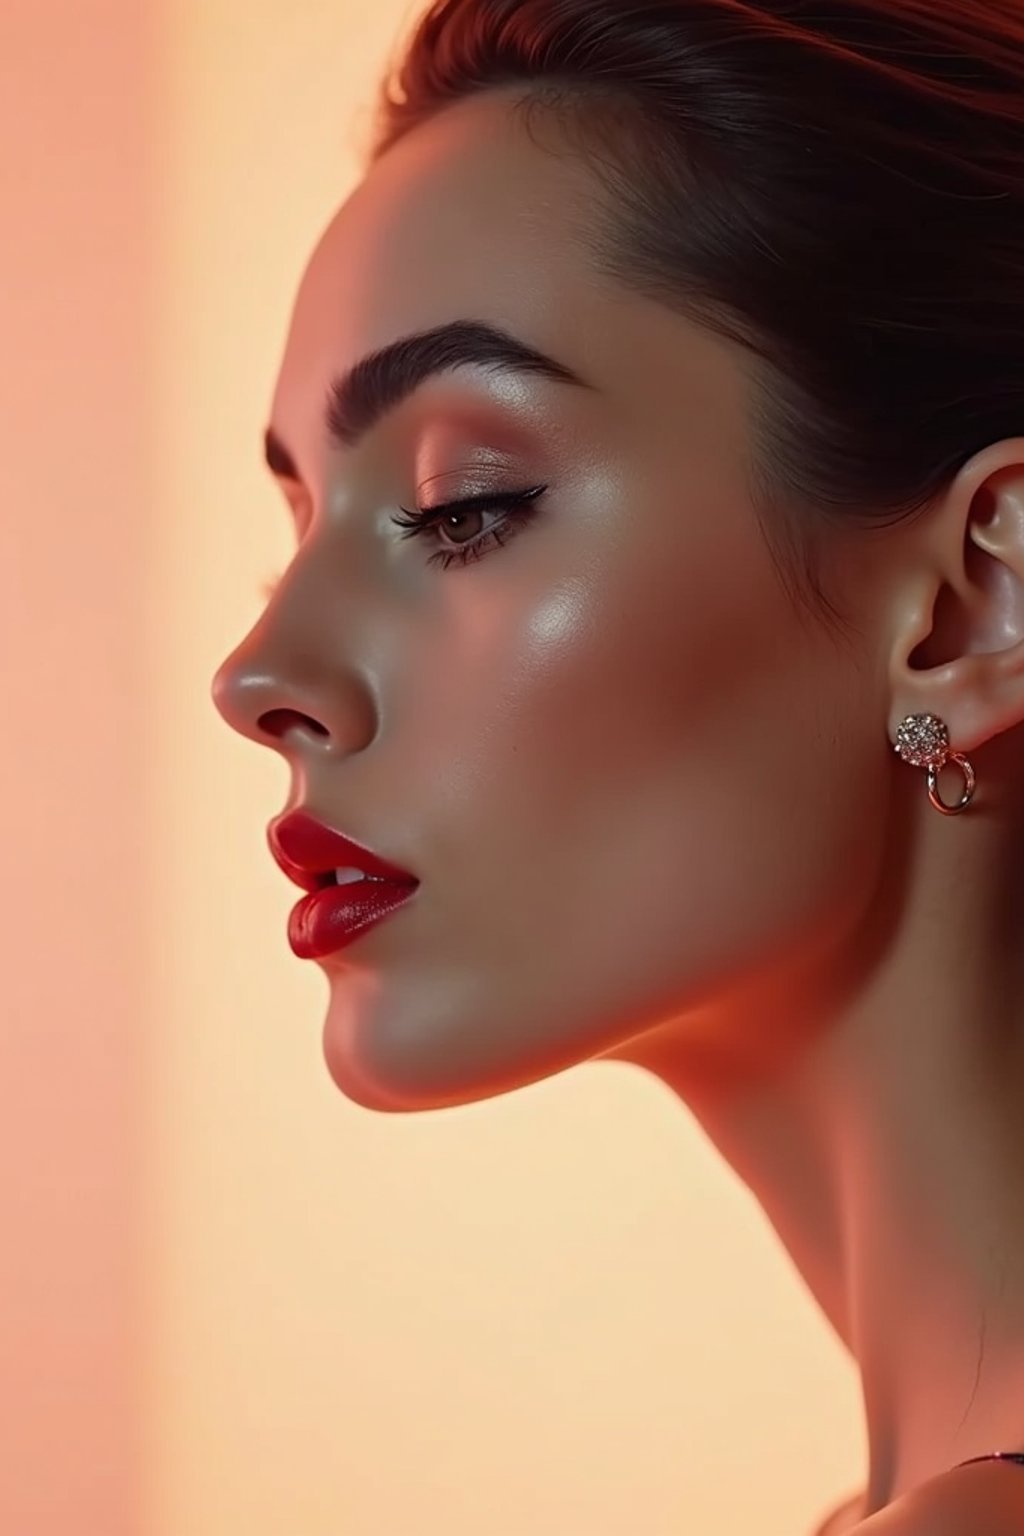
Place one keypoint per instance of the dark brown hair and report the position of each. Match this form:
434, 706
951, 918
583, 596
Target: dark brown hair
837, 187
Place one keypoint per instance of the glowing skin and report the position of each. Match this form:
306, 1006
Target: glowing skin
653, 807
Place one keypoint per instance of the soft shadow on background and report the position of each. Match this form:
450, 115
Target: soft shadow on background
231, 1301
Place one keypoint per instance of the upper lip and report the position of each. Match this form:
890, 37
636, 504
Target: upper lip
307, 849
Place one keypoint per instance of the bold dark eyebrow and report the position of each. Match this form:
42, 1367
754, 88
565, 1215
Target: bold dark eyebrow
356, 400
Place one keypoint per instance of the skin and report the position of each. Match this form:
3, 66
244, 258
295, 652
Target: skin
656, 817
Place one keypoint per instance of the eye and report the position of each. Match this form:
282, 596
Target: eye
517, 509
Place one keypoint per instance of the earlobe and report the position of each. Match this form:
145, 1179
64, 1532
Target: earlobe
978, 696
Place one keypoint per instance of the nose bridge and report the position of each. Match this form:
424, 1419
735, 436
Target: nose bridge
301, 663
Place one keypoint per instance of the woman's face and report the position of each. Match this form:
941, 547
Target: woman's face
618, 760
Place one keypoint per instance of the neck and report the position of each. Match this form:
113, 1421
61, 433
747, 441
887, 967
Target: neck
871, 1098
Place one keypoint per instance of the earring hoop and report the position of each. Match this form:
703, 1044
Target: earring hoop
923, 742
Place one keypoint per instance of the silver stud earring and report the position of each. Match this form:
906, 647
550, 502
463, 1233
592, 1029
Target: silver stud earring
923, 742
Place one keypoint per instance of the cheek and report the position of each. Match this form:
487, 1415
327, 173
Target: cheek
642, 767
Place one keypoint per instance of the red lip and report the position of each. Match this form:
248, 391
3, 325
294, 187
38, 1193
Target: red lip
329, 920
306, 850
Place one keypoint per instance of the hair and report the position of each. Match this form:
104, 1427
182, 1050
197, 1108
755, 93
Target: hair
836, 188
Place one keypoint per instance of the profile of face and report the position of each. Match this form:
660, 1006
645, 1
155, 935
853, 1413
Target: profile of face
615, 754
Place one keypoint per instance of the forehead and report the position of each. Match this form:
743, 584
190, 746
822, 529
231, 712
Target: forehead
467, 217
470, 217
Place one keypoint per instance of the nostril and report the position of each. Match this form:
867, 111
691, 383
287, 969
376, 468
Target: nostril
276, 722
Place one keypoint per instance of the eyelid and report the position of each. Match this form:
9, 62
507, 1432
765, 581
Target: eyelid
480, 501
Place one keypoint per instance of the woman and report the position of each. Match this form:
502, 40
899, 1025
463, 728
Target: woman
652, 420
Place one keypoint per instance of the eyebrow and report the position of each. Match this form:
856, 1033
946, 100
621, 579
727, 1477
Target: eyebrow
357, 399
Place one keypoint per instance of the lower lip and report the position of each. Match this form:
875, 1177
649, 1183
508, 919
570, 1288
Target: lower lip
329, 919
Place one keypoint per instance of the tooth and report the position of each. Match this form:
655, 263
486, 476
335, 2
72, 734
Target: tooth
346, 875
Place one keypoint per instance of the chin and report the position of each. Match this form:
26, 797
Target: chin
399, 1088
399, 1061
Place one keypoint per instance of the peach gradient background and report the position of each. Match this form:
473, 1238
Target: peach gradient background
231, 1302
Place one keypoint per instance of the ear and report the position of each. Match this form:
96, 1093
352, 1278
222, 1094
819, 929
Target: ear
958, 646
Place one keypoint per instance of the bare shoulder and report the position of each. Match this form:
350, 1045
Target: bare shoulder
981, 1500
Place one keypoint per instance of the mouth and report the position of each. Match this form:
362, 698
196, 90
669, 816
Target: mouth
316, 857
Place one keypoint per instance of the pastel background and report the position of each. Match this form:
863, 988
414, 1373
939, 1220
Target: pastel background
232, 1303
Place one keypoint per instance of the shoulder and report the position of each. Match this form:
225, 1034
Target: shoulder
982, 1500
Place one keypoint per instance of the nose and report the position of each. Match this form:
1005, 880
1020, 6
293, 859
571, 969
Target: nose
297, 679
284, 703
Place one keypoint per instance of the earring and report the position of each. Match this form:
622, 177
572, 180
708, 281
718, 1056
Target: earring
923, 742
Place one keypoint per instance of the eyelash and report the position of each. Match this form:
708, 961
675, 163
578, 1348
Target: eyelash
519, 507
